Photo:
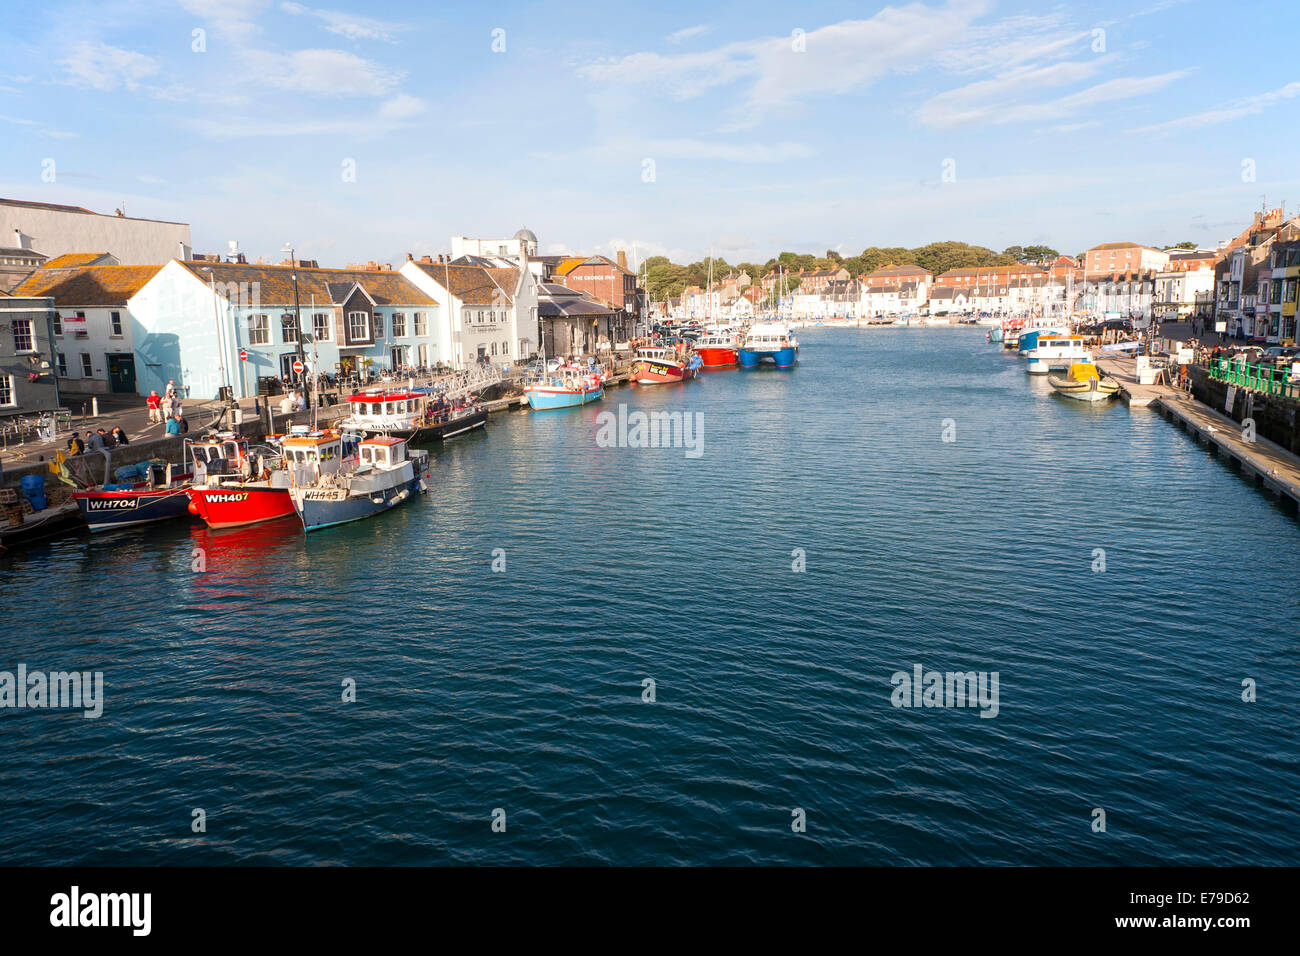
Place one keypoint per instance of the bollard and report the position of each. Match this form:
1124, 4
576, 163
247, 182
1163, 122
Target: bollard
94, 406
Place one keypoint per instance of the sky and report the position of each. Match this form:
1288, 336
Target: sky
368, 131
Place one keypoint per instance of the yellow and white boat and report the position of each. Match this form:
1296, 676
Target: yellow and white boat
1084, 383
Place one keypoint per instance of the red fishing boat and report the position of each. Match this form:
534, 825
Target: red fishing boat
717, 349
657, 365
235, 485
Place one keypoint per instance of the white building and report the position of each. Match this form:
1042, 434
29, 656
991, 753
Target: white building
493, 312
522, 242
1175, 292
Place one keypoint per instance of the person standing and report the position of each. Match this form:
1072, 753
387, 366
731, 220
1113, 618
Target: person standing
154, 401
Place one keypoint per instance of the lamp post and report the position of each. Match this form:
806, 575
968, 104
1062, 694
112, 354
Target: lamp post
297, 312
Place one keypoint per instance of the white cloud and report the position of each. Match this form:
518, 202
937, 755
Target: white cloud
402, 106
687, 33
345, 24
1245, 107
105, 67
229, 18
323, 72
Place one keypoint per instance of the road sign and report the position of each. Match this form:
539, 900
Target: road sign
243, 355
297, 366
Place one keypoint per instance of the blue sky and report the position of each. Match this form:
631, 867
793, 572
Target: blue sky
768, 126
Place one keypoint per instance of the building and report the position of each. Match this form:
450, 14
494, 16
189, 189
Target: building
54, 230
604, 279
1177, 291
1284, 280
18, 261
93, 327
1123, 258
522, 243
27, 379
892, 275
572, 323
491, 315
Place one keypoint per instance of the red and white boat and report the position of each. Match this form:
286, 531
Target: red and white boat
657, 365
235, 486
717, 349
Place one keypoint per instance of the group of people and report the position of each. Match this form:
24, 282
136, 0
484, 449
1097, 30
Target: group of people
168, 408
97, 440
293, 401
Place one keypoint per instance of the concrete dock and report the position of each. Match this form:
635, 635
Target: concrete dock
1271, 467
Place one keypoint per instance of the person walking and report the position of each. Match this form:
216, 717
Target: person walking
154, 401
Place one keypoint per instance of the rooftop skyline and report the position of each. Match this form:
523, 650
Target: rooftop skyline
743, 130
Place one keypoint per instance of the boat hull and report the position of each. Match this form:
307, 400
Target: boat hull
234, 506
781, 358
651, 372
1093, 390
545, 398
109, 510
330, 507
717, 356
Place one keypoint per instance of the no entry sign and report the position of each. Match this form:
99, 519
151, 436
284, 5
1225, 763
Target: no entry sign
243, 355
297, 366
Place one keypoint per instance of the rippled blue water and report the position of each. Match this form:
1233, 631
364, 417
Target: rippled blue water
522, 690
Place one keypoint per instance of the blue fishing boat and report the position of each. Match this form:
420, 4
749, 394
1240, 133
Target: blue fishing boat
387, 473
768, 342
568, 386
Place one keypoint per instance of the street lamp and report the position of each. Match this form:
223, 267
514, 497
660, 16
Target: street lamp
297, 309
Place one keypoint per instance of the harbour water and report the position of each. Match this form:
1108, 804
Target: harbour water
522, 689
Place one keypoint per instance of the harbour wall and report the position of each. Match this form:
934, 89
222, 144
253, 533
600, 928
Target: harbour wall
1276, 418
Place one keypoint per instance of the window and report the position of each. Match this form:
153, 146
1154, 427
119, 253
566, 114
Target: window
23, 335
7, 390
320, 326
87, 369
359, 326
58, 324
115, 323
379, 325
480, 317
288, 327
399, 325
421, 325
422, 354
505, 348
259, 330
61, 364
494, 348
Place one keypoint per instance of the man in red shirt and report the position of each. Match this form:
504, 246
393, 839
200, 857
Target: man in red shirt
155, 407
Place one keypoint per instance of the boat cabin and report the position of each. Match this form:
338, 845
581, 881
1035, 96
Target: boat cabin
382, 453
310, 454
223, 453
387, 409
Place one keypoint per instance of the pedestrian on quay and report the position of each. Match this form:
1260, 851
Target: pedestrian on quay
75, 445
105, 437
119, 436
174, 425
154, 401
95, 441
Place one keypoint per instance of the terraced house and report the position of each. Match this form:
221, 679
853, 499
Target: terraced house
491, 314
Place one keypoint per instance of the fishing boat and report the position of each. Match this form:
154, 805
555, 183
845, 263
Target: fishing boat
385, 473
717, 349
768, 342
658, 365
413, 414
1082, 382
566, 386
144, 493
1028, 340
236, 485
1056, 351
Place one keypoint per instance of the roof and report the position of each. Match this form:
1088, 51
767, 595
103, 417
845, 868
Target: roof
79, 210
69, 259
275, 283
473, 285
526, 234
15, 252
573, 262
557, 301
87, 285
899, 270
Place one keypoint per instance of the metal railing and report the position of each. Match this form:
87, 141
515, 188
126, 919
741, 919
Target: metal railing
1268, 379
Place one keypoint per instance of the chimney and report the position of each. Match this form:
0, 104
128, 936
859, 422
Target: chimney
426, 260
622, 260
409, 257
186, 253
21, 241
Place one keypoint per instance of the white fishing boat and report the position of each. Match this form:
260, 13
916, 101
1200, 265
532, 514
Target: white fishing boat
386, 473
1056, 351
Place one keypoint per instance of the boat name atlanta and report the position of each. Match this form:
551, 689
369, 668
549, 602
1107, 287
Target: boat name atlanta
67, 690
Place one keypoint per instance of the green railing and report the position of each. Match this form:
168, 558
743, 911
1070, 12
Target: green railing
1269, 379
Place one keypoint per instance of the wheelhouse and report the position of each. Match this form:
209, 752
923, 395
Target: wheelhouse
382, 453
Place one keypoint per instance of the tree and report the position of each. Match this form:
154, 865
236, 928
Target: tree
1015, 252
1039, 254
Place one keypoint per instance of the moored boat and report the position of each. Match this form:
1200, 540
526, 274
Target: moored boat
768, 342
414, 415
233, 486
717, 349
658, 365
385, 473
1056, 351
144, 493
1082, 382
568, 386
